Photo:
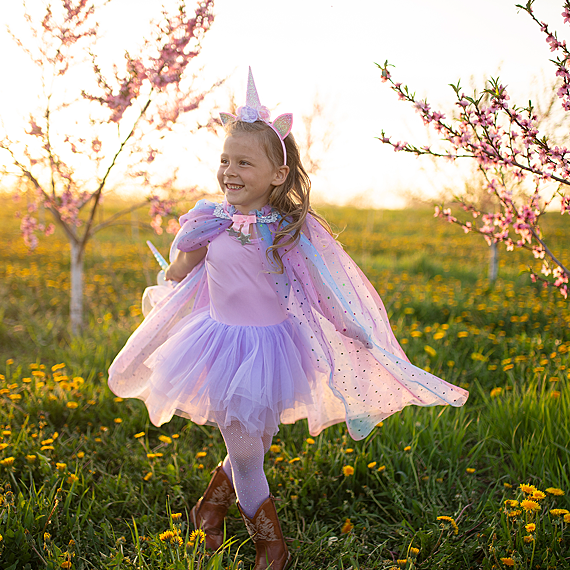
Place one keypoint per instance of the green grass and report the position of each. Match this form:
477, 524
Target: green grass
105, 502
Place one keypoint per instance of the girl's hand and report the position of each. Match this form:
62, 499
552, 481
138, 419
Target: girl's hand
184, 263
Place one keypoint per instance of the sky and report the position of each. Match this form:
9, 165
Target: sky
302, 49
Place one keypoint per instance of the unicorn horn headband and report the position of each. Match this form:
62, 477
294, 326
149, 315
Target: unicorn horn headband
253, 111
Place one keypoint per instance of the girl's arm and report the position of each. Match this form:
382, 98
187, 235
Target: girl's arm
184, 263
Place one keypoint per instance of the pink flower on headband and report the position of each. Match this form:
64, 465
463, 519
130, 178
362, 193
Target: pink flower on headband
248, 114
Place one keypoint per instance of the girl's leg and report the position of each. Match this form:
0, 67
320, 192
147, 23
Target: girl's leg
227, 465
246, 455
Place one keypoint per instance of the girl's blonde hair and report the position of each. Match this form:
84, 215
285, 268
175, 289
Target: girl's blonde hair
290, 199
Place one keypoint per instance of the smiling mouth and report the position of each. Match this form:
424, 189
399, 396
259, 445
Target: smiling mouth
234, 186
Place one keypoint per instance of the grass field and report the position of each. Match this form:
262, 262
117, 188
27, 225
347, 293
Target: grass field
86, 481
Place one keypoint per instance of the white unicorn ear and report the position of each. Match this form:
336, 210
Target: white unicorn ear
283, 124
227, 118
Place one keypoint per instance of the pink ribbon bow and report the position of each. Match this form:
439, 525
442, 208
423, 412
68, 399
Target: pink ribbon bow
241, 222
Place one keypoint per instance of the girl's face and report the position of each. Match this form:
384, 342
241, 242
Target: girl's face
246, 175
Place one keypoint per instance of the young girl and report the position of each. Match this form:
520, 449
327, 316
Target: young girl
271, 322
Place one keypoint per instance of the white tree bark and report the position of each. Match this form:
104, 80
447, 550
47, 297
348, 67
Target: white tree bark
76, 302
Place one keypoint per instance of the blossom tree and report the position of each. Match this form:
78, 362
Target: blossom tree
91, 126
506, 142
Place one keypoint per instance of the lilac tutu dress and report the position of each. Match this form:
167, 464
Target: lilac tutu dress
235, 341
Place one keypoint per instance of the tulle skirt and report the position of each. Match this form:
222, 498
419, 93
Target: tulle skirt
214, 373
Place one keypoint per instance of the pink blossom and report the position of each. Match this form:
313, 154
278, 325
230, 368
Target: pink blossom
173, 226
35, 129
156, 224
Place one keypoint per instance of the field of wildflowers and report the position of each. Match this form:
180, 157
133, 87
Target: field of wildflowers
86, 482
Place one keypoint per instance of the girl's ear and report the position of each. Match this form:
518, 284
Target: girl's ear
280, 175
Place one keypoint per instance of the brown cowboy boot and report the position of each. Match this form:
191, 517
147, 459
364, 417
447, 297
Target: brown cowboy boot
265, 531
211, 509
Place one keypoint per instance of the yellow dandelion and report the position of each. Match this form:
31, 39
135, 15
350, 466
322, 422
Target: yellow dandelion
65, 564
511, 503
528, 538
558, 512
115, 399
154, 455
346, 527
528, 489
197, 535
310, 440
372, 465
451, 522
555, 491
567, 518
3, 446
80, 454
275, 449
278, 459
555, 394
201, 454
496, 392
176, 516
148, 476
165, 439
402, 563
508, 561
414, 551
530, 527
47, 447
513, 514
507, 485
294, 460
379, 424
530, 506
431, 351
8, 461
30, 458
118, 420
175, 436
166, 536
72, 478
470, 470
9, 361
407, 448
381, 468
61, 466
538, 495
347, 470
139, 435
201, 466
349, 450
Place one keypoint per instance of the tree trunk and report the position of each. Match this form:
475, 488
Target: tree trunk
493, 263
76, 301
